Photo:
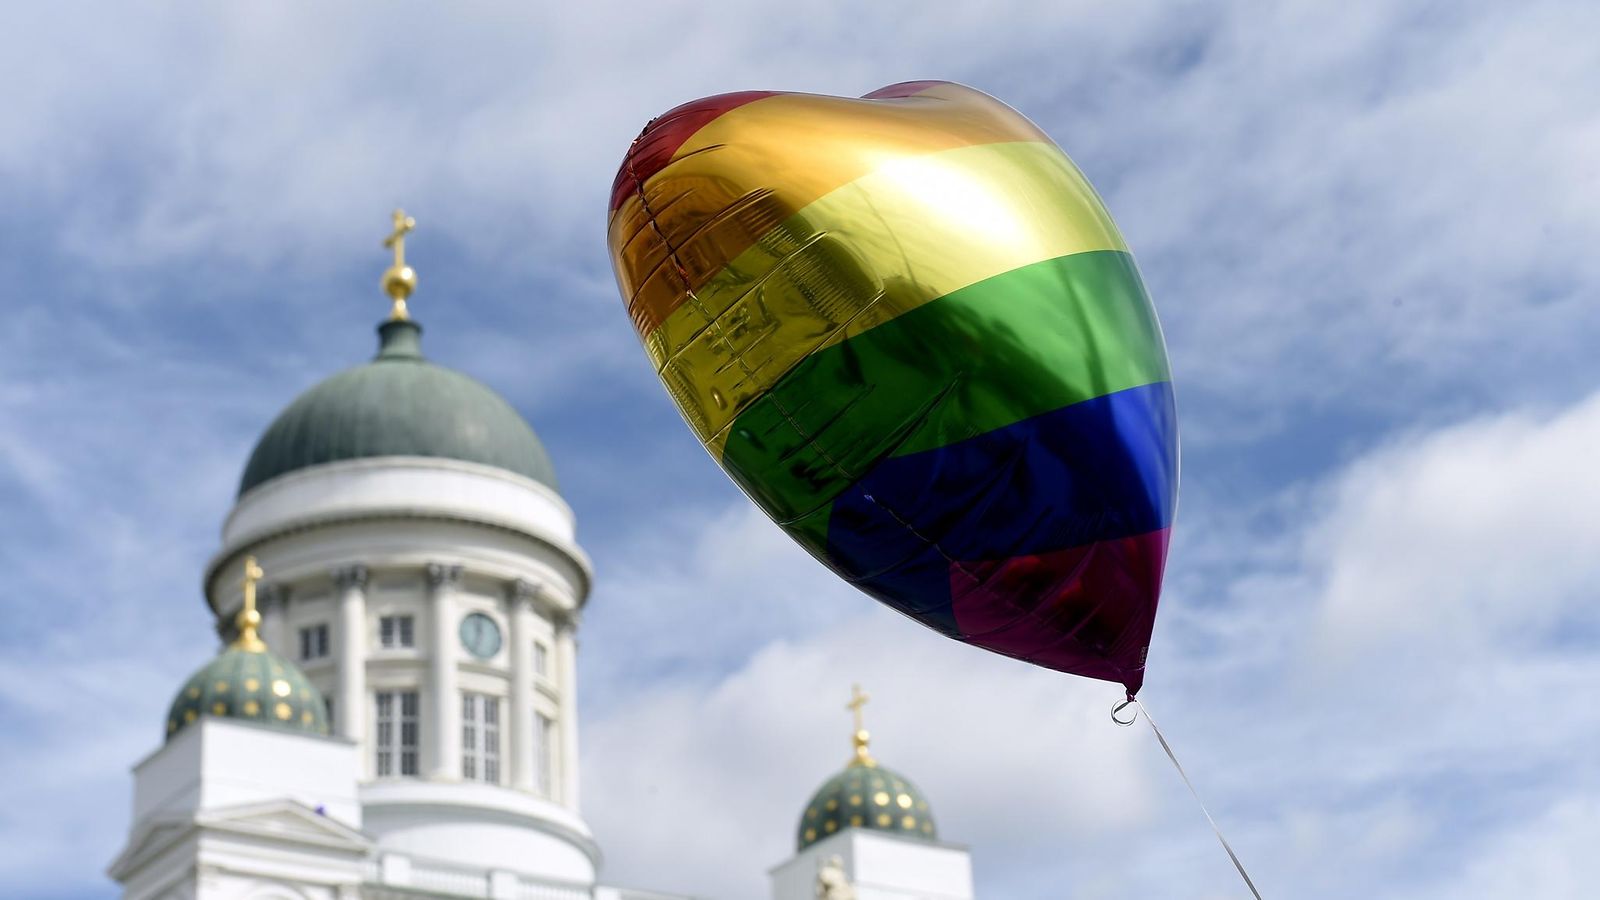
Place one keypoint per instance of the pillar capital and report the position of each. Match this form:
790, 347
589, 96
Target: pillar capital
273, 594
566, 622
443, 574
351, 576
522, 592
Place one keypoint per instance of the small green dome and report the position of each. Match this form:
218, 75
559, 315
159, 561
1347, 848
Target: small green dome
398, 405
257, 685
870, 797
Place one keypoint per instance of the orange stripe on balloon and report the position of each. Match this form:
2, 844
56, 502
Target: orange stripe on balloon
916, 229
754, 166
661, 139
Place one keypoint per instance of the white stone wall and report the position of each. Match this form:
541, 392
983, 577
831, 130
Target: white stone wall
222, 763
230, 809
436, 540
880, 866
480, 828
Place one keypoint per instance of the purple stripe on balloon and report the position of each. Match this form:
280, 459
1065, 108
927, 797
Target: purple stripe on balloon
1100, 470
1087, 610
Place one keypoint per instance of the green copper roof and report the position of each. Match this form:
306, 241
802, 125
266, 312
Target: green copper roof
398, 405
257, 685
870, 797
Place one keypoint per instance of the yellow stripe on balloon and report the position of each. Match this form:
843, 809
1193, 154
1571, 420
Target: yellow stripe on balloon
913, 230
819, 144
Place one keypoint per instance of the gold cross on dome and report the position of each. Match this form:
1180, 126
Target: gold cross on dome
249, 617
861, 739
858, 699
399, 280
403, 225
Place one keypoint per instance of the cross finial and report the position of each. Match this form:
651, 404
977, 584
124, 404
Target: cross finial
249, 617
858, 699
399, 280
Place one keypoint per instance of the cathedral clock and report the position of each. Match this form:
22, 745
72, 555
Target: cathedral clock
480, 635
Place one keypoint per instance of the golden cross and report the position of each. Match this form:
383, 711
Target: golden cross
403, 225
858, 699
249, 617
861, 739
399, 280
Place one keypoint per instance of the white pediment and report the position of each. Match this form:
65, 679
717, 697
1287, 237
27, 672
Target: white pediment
148, 840
285, 821
279, 821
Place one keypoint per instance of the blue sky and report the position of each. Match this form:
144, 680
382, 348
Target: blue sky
1369, 229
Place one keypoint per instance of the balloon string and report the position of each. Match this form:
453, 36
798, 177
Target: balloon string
1185, 776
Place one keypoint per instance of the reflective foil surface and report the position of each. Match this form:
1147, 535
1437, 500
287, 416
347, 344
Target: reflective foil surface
908, 328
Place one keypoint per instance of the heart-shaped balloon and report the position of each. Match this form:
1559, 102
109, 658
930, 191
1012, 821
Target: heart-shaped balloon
907, 327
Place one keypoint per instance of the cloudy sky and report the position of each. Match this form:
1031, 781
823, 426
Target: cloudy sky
1369, 228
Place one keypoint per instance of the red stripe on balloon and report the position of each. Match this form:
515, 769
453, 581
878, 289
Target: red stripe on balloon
903, 89
661, 138
1087, 610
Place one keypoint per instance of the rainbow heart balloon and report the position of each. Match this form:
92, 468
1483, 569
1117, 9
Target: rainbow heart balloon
907, 327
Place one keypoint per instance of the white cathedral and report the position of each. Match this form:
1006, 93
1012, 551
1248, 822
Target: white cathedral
394, 710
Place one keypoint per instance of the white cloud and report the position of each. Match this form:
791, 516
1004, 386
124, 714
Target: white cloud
1482, 533
697, 590
1327, 199
1367, 751
701, 790
112, 482
1350, 215
1549, 854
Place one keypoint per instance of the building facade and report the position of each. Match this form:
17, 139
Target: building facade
394, 714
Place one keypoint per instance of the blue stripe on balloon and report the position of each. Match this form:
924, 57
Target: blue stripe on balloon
1098, 470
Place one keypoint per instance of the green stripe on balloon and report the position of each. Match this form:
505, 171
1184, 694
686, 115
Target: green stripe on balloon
1031, 340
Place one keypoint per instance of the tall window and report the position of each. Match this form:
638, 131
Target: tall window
396, 743
541, 659
396, 631
314, 642
480, 738
544, 729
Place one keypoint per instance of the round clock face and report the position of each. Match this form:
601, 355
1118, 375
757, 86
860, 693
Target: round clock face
480, 635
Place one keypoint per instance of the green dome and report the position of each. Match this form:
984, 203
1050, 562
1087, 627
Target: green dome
257, 685
870, 797
398, 405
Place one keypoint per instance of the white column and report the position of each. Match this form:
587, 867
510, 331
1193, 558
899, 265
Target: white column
566, 776
274, 604
520, 596
350, 702
445, 726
